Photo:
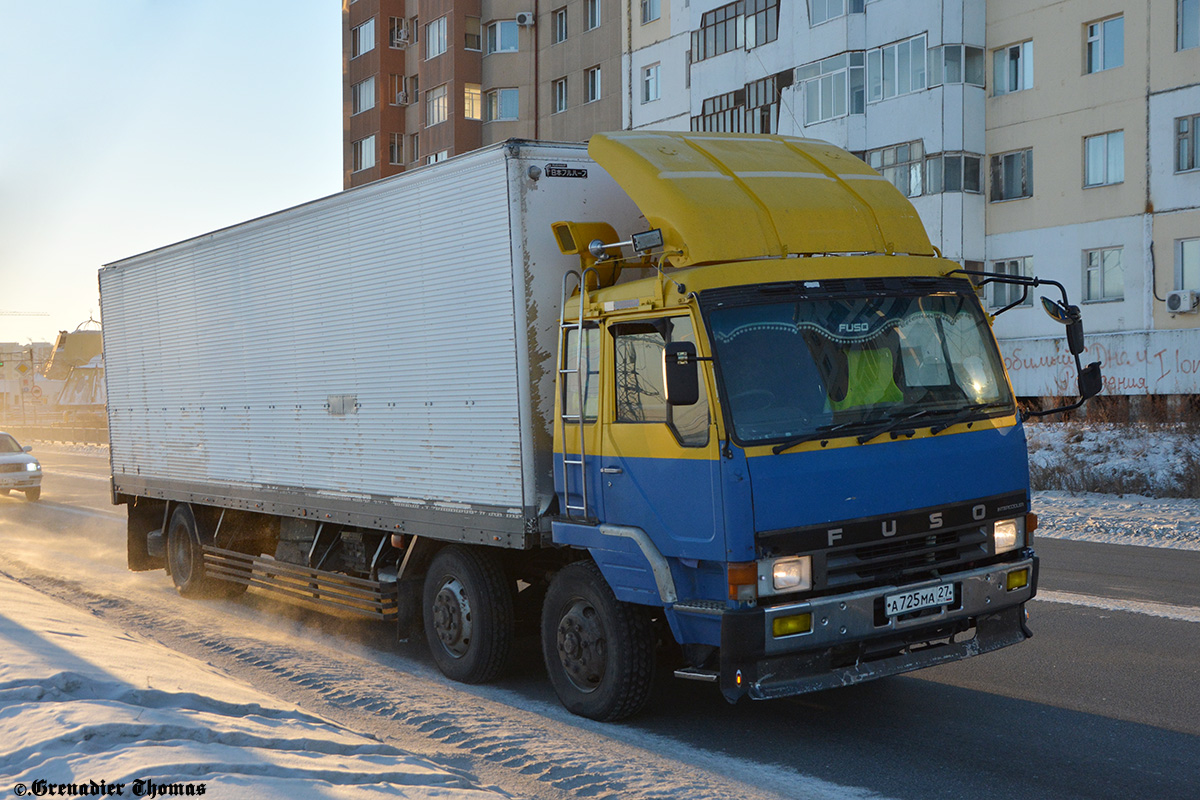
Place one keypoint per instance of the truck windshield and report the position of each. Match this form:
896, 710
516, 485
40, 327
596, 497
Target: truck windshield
813, 367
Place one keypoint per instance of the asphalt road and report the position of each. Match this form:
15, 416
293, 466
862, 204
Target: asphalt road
1103, 702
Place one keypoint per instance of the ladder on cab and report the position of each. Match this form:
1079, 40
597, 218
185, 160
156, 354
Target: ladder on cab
576, 371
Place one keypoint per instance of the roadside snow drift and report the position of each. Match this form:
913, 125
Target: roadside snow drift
87, 710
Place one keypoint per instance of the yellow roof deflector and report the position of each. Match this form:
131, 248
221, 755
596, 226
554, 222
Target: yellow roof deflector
730, 196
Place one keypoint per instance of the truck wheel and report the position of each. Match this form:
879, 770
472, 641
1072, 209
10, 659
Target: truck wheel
32, 495
599, 651
185, 559
468, 614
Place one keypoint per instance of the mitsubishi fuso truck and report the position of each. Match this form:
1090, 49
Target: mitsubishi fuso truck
690, 403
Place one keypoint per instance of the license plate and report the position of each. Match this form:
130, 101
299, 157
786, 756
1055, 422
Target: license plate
929, 597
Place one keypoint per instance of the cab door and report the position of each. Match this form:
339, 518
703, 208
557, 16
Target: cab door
659, 465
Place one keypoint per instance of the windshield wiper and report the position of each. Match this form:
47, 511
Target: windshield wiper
964, 414
891, 425
818, 433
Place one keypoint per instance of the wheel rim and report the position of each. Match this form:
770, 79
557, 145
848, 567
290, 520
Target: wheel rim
582, 646
181, 557
452, 618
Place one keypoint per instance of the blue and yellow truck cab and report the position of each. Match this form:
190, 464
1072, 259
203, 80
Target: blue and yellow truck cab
790, 439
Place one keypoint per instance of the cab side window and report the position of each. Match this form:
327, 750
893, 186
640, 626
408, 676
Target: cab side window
640, 395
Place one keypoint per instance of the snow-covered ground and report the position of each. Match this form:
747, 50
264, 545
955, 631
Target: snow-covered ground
83, 704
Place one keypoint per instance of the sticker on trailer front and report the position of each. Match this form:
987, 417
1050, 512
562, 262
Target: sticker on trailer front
563, 171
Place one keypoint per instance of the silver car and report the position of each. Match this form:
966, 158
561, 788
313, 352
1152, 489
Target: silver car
18, 470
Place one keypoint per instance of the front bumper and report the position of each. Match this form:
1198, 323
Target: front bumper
852, 641
20, 480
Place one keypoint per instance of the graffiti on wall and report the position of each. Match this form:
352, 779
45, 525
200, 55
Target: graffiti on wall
1145, 362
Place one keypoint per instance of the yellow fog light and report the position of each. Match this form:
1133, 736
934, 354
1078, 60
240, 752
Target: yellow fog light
792, 625
1018, 579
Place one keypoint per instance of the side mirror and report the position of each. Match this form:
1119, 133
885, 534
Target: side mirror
1090, 382
680, 376
1075, 336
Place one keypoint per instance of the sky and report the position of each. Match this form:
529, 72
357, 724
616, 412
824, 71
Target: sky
126, 125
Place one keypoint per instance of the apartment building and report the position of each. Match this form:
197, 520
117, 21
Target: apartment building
1093, 182
424, 80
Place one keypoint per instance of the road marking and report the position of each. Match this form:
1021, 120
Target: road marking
83, 512
58, 473
1164, 610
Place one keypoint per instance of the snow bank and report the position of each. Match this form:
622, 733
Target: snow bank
84, 704
1128, 519
1158, 460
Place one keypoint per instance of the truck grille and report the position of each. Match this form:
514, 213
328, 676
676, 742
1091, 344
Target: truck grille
920, 557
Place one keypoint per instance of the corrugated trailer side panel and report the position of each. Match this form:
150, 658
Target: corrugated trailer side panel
225, 353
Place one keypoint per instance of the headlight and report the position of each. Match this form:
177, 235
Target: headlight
32, 466
1008, 534
791, 574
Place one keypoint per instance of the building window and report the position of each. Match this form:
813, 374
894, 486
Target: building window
1104, 159
1187, 24
362, 96
1012, 175
416, 147
362, 39
396, 149
559, 88
762, 22
396, 93
472, 101
436, 106
901, 164
435, 38
832, 88
725, 113
896, 69
1104, 274
953, 172
592, 11
560, 25
397, 32
472, 34
363, 152
1187, 264
1013, 68
824, 10
440, 155
762, 105
502, 37
414, 29
1004, 294
1186, 141
501, 104
651, 10
956, 63
719, 32
1105, 44
650, 86
591, 85
412, 88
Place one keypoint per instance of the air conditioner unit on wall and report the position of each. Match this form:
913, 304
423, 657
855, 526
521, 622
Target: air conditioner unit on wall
402, 98
525, 19
1184, 301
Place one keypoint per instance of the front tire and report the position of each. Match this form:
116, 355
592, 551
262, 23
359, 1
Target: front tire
33, 495
468, 614
599, 651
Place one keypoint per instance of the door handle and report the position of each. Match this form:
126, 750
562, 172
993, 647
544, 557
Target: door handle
611, 470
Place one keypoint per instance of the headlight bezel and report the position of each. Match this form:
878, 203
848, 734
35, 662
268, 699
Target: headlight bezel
33, 466
1007, 535
793, 572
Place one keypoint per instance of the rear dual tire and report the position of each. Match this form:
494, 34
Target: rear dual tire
185, 559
